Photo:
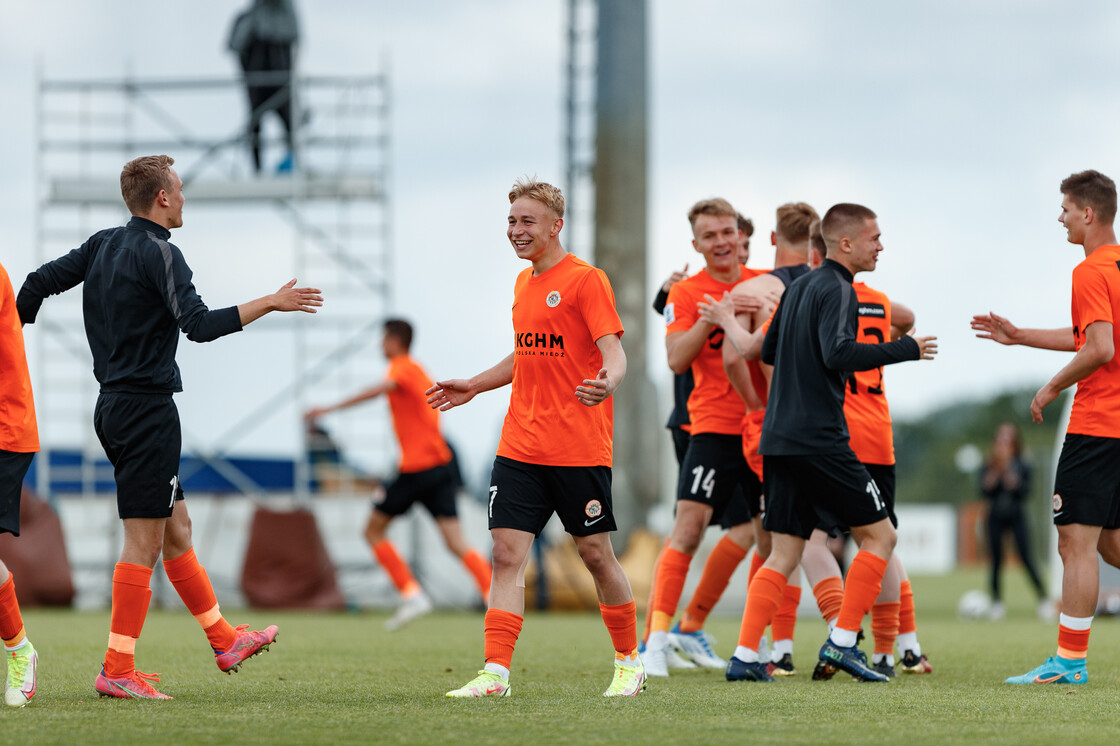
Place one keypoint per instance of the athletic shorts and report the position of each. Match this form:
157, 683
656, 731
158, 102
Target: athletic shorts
433, 488
524, 496
742, 507
1087, 483
713, 470
826, 489
141, 436
883, 474
13, 468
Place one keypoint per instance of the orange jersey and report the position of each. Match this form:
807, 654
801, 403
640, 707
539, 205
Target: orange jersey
714, 406
19, 431
865, 402
557, 316
1096, 297
416, 423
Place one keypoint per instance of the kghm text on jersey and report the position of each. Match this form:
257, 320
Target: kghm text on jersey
539, 340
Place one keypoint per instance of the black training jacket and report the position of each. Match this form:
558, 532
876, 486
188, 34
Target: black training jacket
812, 345
137, 295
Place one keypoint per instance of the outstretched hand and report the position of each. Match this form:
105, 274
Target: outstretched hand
597, 390
444, 395
927, 346
291, 298
995, 328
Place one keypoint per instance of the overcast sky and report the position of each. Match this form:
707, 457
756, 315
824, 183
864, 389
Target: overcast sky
954, 120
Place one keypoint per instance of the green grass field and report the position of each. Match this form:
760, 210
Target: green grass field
339, 678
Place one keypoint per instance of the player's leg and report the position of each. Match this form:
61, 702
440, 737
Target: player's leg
885, 618
913, 660
400, 494
21, 671
764, 597
231, 646
439, 499
782, 628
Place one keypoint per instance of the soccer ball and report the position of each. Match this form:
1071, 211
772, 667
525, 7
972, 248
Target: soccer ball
974, 604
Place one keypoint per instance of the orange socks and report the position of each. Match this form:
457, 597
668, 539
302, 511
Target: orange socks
668, 585
907, 621
785, 619
884, 626
721, 564
757, 561
480, 569
398, 571
861, 588
131, 595
1073, 637
622, 624
830, 595
501, 630
764, 596
11, 622
652, 592
193, 586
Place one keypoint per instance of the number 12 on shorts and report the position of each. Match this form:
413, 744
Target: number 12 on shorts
873, 490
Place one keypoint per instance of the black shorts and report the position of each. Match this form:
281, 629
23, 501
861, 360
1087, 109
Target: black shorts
13, 468
141, 436
883, 474
814, 491
433, 488
745, 503
1087, 483
714, 469
524, 496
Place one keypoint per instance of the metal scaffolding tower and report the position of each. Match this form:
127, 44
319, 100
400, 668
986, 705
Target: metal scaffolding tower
334, 210
579, 126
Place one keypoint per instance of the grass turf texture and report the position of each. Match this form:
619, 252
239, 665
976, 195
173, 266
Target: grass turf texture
339, 678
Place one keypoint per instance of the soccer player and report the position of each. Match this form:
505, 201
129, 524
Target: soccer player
810, 472
137, 296
714, 478
872, 439
793, 257
19, 441
1087, 482
556, 447
424, 473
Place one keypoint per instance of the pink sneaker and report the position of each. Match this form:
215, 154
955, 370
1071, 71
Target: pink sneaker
245, 646
134, 686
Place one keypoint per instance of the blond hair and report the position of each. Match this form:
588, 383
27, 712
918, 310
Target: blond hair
541, 191
794, 220
716, 206
142, 179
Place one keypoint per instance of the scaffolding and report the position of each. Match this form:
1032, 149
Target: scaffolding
334, 208
579, 127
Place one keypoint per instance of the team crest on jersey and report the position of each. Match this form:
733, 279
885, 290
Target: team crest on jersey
1057, 503
552, 300
594, 509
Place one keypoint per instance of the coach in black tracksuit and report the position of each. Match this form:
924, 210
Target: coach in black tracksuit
810, 473
137, 296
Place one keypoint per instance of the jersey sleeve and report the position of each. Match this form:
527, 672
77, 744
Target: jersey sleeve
52, 278
680, 312
597, 304
836, 335
172, 278
1090, 287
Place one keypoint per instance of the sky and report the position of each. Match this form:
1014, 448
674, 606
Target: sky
954, 120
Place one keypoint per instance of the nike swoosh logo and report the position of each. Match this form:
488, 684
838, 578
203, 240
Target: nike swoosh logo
592, 523
1041, 680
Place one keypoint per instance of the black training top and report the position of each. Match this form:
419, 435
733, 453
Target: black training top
137, 294
790, 273
812, 345
683, 383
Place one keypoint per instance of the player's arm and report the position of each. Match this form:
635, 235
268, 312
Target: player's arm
683, 347
51, 279
443, 395
599, 389
1097, 350
724, 314
371, 393
740, 377
998, 329
287, 298
902, 320
841, 351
